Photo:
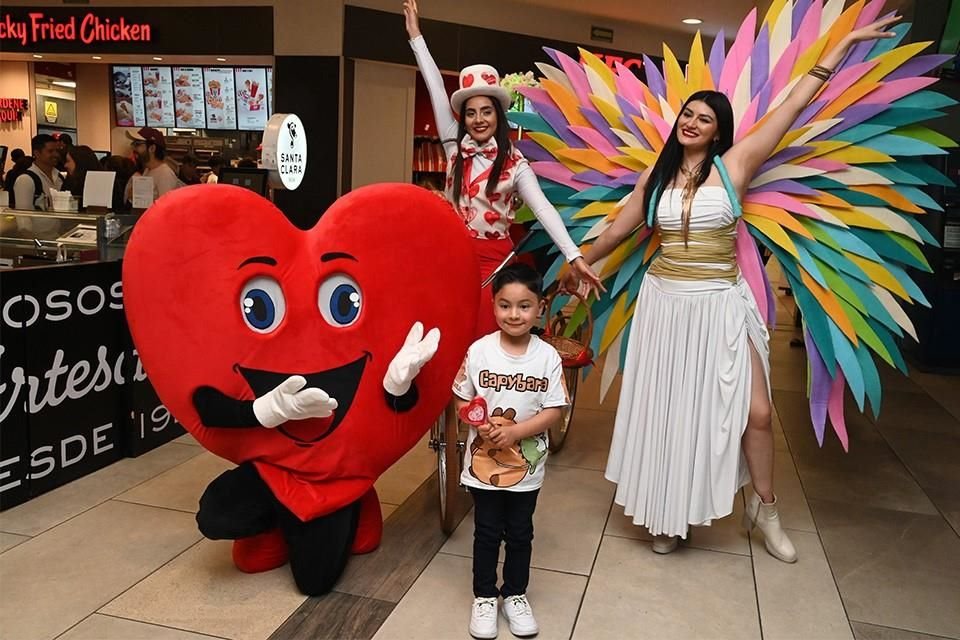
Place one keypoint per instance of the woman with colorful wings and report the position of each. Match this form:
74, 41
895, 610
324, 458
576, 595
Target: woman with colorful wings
693, 421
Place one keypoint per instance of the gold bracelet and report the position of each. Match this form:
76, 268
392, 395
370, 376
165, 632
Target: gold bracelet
822, 72
819, 75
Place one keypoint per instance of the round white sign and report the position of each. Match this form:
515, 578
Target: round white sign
285, 150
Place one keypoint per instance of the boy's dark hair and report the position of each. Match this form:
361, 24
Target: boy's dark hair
519, 273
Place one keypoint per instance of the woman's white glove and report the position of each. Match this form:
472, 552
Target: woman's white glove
290, 401
416, 351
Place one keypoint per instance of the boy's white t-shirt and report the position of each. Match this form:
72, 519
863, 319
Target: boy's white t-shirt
515, 388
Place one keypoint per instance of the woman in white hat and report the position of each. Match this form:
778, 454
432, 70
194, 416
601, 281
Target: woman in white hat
484, 170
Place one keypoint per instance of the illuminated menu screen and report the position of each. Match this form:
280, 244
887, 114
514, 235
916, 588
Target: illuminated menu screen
220, 97
188, 97
270, 89
252, 99
158, 96
128, 97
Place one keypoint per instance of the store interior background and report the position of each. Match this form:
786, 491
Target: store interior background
379, 110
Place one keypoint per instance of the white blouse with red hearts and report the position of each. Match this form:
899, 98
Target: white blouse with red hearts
487, 217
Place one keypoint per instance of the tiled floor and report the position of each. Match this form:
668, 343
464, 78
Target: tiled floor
117, 555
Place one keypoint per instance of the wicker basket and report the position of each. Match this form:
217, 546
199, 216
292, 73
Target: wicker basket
575, 352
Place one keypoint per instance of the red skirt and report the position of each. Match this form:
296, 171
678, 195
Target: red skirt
490, 254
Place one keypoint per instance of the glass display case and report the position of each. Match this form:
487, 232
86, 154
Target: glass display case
39, 238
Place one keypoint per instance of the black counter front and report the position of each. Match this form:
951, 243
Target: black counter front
73, 395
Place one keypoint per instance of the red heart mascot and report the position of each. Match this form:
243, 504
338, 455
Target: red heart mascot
312, 359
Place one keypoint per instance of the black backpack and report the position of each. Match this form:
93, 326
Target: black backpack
37, 189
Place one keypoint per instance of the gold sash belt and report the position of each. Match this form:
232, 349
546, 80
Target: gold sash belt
708, 255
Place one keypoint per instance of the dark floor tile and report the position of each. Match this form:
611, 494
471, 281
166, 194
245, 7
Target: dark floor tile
335, 616
411, 537
893, 568
863, 631
902, 410
934, 460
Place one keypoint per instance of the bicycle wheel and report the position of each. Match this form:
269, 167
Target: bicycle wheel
558, 432
448, 470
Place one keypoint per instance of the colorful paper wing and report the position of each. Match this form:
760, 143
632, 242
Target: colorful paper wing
836, 203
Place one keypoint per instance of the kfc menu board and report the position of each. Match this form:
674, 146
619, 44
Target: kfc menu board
252, 99
220, 94
158, 96
128, 97
188, 97
224, 98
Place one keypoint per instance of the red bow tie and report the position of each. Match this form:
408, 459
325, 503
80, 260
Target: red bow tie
469, 148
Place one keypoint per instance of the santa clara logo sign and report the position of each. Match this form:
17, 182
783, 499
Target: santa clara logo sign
285, 150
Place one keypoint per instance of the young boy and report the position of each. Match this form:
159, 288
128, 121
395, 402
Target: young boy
521, 380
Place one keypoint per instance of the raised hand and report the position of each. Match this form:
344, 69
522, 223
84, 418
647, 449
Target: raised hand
416, 351
874, 31
412, 18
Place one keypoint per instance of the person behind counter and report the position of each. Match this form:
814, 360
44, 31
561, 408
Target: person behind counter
31, 190
189, 173
216, 164
124, 168
150, 148
64, 144
80, 159
20, 161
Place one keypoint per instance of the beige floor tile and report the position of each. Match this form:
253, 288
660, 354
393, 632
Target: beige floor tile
100, 627
791, 498
181, 487
634, 593
437, 606
386, 510
863, 631
893, 568
53, 581
187, 439
407, 473
785, 613
10, 540
588, 441
725, 534
202, 591
50, 509
562, 541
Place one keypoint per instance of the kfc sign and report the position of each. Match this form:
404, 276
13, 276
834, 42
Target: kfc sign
634, 64
88, 28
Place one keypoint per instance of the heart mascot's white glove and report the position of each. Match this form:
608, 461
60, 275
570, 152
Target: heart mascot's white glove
416, 351
290, 401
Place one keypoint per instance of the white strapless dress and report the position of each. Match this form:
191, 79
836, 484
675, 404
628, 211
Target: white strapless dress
685, 398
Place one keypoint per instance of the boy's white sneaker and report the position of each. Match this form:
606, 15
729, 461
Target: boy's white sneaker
483, 618
518, 613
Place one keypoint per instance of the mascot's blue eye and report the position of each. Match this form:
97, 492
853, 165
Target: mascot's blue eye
262, 304
340, 300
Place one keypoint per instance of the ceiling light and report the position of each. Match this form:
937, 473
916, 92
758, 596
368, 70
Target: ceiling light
221, 59
692, 21
97, 57
65, 83
37, 56
157, 58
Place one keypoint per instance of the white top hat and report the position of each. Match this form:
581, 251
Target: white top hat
479, 80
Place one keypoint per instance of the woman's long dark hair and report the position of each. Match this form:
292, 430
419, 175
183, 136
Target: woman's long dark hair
670, 160
86, 160
504, 146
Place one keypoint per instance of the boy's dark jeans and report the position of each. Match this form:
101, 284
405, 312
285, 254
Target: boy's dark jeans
502, 516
